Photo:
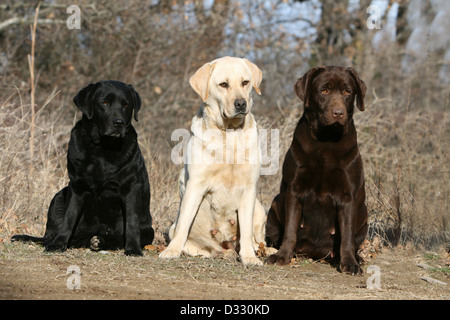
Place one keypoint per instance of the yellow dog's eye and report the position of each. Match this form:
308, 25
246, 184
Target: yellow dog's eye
244, 83
224, 85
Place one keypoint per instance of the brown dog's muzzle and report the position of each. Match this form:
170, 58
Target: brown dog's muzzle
336, 112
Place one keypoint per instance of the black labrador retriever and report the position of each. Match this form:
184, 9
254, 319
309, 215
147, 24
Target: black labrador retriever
320, 210
106, 204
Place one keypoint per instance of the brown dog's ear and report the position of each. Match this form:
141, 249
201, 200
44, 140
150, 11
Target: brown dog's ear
303, 85
83, 100
136, 101
360, 88
256, 75
200, 80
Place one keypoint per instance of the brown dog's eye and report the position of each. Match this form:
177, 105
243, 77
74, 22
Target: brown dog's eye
324, 91
244, 83
224, 85
347, 92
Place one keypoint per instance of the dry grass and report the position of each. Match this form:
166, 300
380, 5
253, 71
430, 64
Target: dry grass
407, 173
405, 155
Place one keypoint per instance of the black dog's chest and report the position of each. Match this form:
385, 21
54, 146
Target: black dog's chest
99, 164
97, 174
103, 177
100, 170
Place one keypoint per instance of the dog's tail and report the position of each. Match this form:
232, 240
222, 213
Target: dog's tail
27, 238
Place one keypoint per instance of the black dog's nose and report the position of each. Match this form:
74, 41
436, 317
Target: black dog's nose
118, 123
240, 105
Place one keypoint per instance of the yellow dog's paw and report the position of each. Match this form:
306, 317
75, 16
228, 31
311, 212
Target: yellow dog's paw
170, 254
251, 261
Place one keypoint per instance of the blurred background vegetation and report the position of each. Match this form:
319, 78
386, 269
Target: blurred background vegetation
157, 45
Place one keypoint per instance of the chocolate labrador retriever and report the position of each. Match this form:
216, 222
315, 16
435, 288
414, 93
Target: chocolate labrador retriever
320, 210
106, 204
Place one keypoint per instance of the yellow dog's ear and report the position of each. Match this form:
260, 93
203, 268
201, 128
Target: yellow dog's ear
256, 75
200, 80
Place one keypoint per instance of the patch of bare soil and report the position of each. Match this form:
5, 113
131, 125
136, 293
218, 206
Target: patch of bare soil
26, 272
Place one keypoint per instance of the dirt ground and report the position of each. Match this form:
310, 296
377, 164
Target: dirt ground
26, 272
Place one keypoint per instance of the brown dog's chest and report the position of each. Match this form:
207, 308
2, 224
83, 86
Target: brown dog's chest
325, 184
318, 225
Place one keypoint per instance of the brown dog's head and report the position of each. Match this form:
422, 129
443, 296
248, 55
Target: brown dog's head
329, 95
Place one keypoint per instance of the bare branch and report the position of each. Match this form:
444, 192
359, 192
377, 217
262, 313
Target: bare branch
5, 24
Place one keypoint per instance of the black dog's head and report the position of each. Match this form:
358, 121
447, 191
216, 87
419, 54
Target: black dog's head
329, 94
109, 105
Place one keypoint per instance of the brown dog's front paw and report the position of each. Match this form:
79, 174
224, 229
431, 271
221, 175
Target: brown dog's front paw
280, 260
350, 267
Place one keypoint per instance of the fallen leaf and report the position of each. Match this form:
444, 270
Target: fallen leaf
261, 250
150, 247
157, 90
161, 248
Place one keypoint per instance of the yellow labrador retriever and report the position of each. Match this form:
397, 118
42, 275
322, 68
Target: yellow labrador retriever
218, 181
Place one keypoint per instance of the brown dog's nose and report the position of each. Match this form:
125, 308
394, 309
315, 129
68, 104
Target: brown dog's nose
338, 113
240, 105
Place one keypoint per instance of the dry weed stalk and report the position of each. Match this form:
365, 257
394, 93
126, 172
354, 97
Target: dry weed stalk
33, 86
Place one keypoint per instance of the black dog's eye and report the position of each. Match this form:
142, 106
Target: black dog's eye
244, 83
105, 103
223, 85
126, 106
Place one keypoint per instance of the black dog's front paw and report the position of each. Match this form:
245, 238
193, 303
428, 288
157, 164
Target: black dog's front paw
132, 247
133, 252
56, 246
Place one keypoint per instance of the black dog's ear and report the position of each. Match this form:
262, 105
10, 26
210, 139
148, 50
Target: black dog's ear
360, 89
303, 85
83, 100
136, 101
